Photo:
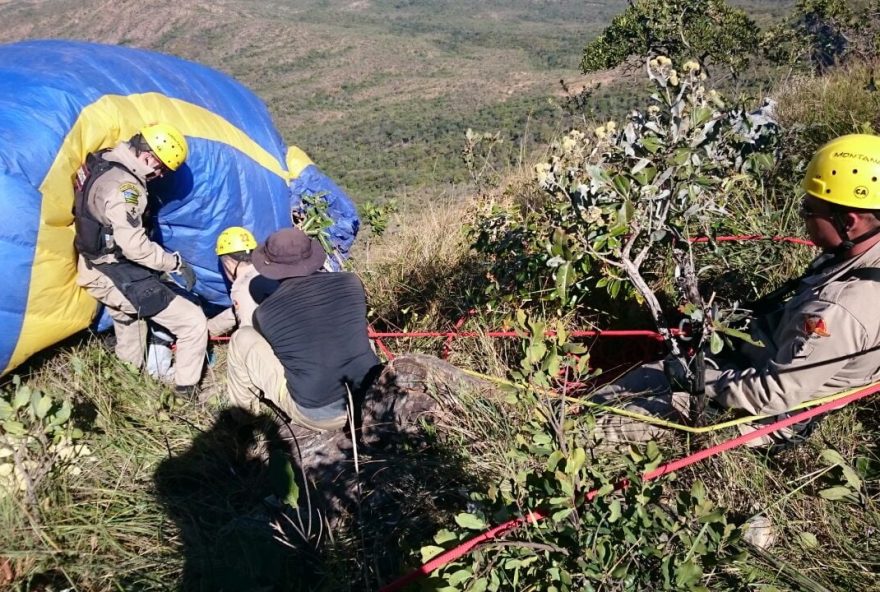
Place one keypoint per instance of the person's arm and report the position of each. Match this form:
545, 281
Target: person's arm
811, 354
222, 323
124, 205
262, 287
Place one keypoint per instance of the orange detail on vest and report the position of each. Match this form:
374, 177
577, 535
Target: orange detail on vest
816, 326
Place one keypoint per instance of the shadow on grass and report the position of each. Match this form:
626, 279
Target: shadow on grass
351, 530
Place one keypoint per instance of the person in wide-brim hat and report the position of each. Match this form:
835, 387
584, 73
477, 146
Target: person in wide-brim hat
308, 347
289, 253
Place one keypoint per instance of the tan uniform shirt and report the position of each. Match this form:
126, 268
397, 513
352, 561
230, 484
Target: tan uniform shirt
241, 312
827, 340
119, 199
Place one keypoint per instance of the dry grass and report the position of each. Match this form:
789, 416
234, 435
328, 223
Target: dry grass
815, 109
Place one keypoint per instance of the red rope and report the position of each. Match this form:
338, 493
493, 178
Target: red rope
456, 327
534, 516
453, 334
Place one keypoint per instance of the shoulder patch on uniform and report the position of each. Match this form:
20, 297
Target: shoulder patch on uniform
131, 193
815, 325
132, 217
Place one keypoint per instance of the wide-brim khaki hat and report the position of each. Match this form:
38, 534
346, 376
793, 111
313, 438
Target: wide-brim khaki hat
288, 253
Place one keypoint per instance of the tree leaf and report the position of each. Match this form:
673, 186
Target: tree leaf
838, 492
15, 428
687, 573
576, 461
62, 415
42, 407
554, 459
459, 577
808, 540
22, 396
5, 409
565, 278
615, 511
716, 344
430, 551
833, 457
469, 521
444, 536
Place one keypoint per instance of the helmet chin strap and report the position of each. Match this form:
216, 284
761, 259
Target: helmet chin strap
846, 243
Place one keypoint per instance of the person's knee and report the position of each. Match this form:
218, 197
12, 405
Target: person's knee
185, 320
242, 339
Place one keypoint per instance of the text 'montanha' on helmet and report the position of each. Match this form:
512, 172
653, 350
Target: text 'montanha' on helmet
167, 143
235, 239
846, 171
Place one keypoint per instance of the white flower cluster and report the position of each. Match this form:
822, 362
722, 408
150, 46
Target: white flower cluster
605, 131
544, 174
593, 215
566, 154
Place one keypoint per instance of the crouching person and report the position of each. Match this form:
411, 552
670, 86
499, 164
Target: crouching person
308, 346
821, 331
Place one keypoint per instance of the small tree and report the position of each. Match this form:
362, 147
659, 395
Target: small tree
820, 34
631, 196
708, 30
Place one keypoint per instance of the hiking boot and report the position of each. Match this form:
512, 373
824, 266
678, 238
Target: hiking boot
188, 393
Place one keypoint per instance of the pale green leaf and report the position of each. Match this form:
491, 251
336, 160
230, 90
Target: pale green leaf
615, 511
716, 344
576, 461
469, 521
566, 276
22, 396
554, 459
444, 536
430, 551
808, 540
536, 352
42, 407
5, 409
62, 415
687, 573
838, 492
562, 514
459, 577
15, 428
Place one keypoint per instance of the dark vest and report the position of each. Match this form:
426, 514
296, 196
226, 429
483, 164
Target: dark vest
92, 237
317, 327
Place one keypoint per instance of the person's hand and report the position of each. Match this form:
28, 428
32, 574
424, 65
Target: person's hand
185, 273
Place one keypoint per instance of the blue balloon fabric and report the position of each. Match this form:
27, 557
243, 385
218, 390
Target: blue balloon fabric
60, 100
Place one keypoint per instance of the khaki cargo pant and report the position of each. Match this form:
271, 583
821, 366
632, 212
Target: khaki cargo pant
254, 373
646, 390
182, 318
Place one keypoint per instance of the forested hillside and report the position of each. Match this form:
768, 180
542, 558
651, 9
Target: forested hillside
379, 93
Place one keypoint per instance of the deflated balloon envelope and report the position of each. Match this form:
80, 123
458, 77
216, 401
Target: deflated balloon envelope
60, 100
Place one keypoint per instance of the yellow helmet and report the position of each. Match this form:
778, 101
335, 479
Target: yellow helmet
235, 239
167, 143
846, 171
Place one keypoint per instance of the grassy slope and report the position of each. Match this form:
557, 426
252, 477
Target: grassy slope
116, 526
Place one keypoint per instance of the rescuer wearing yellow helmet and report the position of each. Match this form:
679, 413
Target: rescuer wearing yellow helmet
820, 332
118, 262
234, 247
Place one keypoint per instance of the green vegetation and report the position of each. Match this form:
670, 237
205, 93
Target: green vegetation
431, 102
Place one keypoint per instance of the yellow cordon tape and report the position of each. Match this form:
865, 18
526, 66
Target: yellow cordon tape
649, 419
